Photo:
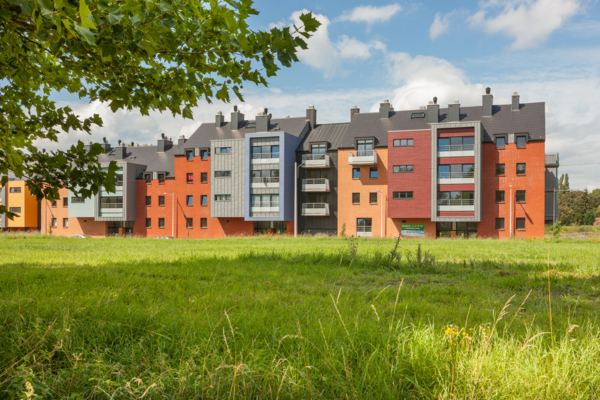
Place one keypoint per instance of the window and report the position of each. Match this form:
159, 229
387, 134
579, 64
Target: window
402, 195
189, 177
75, 200
161, 201
317, 149
373, 198
148, 200
364, 147
520, 197
15, 210
499, 196
119, 180
189, 155
456, 171
364, 225
499, 169
355, 173
466, 229
456, 198
317, 198
15, 190
222, 197
54, 222
189, 200
203, 177
403, 142
222, 174
521, 141
161, 178
500, 224
355, 198
161, 222
148, 178
520, 223
111, 202
203, 223
373, 172
204, 154
65, 202
189, 223
54, 202
500, 143
148, 222
417, 115
457, 143
203, 200
65, 222
521, 169
312, 174
401, 169
444, 230
223, 150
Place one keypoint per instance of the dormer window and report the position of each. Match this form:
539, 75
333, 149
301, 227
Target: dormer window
189, 155
148, 178
364, 147
161, 178
318, 148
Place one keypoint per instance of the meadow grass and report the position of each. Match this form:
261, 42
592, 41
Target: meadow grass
313, 317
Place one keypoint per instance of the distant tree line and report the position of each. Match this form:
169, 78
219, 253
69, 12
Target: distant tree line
577, 207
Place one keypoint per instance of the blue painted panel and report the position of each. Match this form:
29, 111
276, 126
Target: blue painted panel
81, 210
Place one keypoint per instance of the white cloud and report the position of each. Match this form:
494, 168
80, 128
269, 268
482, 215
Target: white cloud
439, 26
370, 14
529, 22
326, 55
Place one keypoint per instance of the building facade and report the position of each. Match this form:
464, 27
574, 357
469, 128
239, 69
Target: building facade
477, 171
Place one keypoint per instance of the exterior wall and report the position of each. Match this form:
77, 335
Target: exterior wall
28, 218
3, 202
551, 197
348, 212
318, 223
130, 173
77, 226
233, 185
533, 183
449, 130
418, 182
82, 210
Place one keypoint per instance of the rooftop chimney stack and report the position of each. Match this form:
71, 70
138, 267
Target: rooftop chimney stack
263, 121
181, 141
354, 110
515, 101
164, 143
433, 112
488, 103
120, 151
88, 146
105, 145
237, 119
454, 111
219, 119
384, 109
311, 116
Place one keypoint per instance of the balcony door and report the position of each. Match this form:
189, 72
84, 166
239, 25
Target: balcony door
364, 148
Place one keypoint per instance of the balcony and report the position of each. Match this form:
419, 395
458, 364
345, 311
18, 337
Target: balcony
315, 161
315, 209
264, 206
364, 231
315, 185
265, 158
456, 205
362, 157
552, 160
449, 178
456, 150
262, 183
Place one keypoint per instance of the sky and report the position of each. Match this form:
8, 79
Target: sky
409, 52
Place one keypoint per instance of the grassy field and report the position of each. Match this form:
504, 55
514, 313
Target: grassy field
280, 318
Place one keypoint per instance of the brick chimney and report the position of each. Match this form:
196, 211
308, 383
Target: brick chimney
454, 111
433, 112
488, 103
237, 119
515, 102
354, 110
164, 143
219, 119
263, 121
384, 109
311, 116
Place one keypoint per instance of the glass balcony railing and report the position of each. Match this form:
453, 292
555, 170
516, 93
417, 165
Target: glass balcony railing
262, 156
456, 202
456, 147
364, 231
265, 204
315, 160
455, 175
315, 209
111, 205
362, 157
265, 180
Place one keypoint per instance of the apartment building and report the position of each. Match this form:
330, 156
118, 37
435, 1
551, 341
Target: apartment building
17, 198
439, 172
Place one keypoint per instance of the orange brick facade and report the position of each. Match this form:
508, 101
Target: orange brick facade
76, 226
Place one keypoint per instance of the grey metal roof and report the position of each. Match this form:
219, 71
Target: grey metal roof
332, 133
208, 131
149, 156
530, 118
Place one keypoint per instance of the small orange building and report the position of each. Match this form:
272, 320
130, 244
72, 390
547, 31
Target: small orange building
17, 198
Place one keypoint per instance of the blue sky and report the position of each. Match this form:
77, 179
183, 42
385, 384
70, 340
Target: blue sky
408, 52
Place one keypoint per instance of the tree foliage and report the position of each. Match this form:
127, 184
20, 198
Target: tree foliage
164, 55
578, 207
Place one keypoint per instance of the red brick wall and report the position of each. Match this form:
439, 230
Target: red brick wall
419, 182
533, 183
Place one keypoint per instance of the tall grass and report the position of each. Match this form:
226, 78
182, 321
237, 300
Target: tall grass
326, 318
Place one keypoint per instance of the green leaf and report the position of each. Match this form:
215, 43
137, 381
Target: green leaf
187, 112
86, 34
86, 15
310, 23
114, 18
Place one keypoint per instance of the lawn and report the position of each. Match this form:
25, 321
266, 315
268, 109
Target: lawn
283, 318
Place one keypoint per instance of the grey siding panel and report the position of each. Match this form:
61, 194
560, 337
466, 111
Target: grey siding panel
3, 202
233, 185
